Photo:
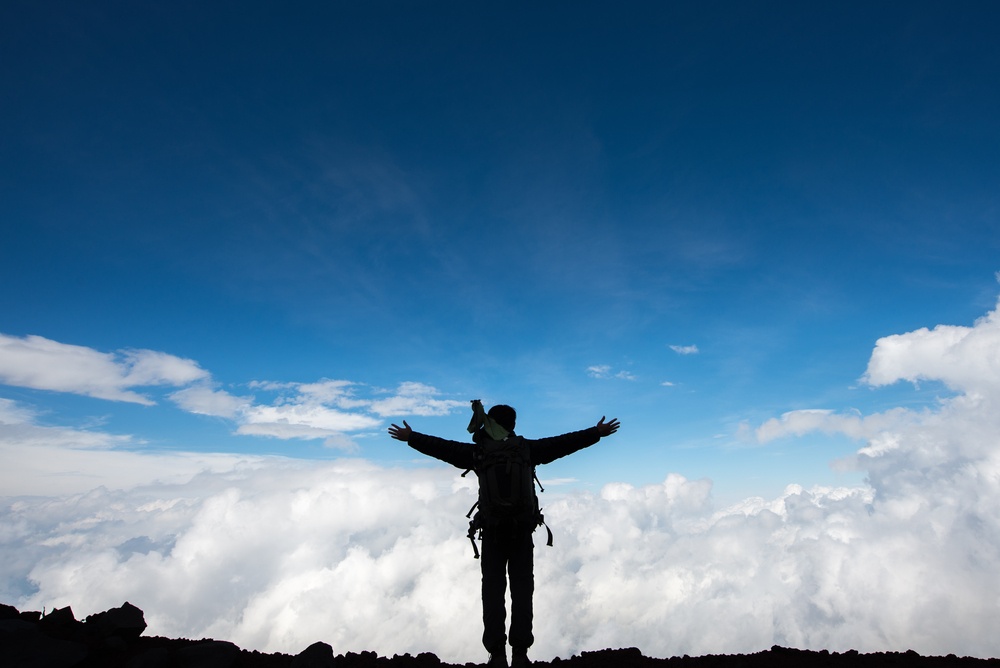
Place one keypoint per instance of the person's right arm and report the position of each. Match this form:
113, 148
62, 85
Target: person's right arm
453, 452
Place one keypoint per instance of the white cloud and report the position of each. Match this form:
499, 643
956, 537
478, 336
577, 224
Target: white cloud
966, 359
204, 400
312, 416
17, 432
413, 398
13, 413
685, 350
43, 364
151, 367
344, 552
336, 392
852, 425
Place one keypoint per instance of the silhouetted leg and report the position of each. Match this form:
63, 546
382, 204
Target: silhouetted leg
493, 562
522, 588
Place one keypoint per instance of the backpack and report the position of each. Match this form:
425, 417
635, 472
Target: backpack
506, 488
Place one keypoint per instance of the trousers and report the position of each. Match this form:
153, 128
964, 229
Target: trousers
507, 550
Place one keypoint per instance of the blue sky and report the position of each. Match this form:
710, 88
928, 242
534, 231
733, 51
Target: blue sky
492, 201
240, 230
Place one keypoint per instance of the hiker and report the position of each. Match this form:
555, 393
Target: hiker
508, 512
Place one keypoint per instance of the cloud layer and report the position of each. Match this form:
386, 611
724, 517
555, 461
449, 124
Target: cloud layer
274, 554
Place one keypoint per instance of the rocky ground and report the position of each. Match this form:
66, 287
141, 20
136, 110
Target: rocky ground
114, 638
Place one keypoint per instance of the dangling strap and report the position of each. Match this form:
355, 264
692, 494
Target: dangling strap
472, 538
534, 475
541, 518
547, 529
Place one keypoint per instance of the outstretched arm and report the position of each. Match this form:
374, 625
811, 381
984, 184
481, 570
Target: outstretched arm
546, 450
452, 452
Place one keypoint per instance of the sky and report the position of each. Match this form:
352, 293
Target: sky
239, 240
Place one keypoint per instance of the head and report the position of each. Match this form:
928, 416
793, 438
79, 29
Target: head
505, 416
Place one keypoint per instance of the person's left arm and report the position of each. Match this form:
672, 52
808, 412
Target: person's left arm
545, 450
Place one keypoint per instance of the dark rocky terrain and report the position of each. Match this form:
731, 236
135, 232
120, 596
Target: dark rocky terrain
114, 638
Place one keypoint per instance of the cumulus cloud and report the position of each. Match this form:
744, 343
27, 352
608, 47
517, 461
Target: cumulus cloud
356, 555
685, 350
44, 364
275, 555
966, 359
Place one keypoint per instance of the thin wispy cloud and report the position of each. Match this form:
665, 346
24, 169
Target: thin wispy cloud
415, 399
324, 409
43, 364
685, 350
605, 371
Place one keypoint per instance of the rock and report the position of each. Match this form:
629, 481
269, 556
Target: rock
23, 645
428, 659
126, 621
60, 623
158, 657
208, 654
317, 655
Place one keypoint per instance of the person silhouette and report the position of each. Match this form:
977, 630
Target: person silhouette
507, 546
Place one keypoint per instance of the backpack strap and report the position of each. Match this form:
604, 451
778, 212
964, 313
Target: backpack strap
472, 538
534, 475
541, 522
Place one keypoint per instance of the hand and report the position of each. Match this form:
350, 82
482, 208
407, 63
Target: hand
400, 433
607, 428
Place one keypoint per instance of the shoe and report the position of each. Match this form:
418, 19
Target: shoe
519, 658
498, 659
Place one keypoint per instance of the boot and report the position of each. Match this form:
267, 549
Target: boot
498, 659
